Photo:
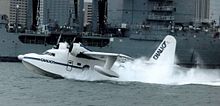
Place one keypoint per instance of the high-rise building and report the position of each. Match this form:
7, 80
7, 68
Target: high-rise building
181, 11
30, 14
133, 13
87, 13
18, 12
214, 13
61, 12
197, 11
57, 11
200, 10
184, 11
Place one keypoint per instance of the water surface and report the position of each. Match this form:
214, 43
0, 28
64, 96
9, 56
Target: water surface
19, 87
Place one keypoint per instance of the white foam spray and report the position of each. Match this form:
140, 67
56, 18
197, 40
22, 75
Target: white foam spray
163, 71
85, 75
139, 70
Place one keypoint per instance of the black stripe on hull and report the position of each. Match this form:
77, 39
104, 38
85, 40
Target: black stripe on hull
58, 63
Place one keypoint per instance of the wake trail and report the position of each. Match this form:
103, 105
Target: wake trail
140, 70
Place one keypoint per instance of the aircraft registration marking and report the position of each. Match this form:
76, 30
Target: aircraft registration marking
160, 50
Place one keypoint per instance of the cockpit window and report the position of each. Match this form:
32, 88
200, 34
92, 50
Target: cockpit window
49, 53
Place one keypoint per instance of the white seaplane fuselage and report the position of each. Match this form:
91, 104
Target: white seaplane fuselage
69, 60
58, 63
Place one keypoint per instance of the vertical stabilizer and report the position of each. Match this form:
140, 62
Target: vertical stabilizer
165, 53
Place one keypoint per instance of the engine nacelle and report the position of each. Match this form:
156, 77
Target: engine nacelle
77, 48
63, 45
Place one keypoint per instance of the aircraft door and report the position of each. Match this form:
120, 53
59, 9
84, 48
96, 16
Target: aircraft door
69, 65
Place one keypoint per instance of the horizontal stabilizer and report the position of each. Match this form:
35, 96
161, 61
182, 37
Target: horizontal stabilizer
105, 71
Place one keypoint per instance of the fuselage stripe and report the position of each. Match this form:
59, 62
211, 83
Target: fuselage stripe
53, 62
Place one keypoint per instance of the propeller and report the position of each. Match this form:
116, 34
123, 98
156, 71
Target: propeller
71, 44
58, 40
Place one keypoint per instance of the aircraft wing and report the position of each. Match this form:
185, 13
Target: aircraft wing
103, 54
109, 59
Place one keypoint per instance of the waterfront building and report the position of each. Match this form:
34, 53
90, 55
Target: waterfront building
132, 14
122, 13
198, 11
55, 11
30, 14
19, 12
214, 14
87, 13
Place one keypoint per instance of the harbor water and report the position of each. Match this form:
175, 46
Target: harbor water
19, 87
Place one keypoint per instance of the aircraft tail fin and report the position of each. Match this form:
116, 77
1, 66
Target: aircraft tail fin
165, 53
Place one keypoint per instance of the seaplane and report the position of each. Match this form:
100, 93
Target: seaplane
66, 59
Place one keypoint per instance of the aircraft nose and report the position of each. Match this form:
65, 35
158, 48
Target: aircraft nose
20, 57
